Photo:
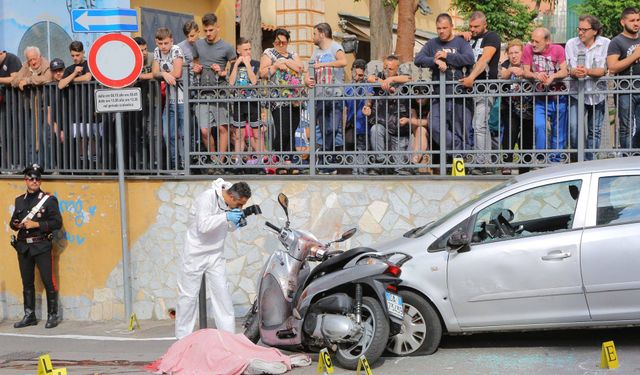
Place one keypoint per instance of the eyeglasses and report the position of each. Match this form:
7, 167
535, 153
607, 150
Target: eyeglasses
584, 30
281, 42
32, 179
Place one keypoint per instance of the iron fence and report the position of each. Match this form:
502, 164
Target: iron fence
498, 126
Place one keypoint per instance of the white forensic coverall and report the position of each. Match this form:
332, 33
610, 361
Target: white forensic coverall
203, 254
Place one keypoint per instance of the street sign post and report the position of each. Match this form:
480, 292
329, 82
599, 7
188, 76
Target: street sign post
115, 61
104, 20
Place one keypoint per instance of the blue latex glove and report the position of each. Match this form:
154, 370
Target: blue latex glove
234, 216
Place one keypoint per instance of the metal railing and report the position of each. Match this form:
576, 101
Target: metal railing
299, 130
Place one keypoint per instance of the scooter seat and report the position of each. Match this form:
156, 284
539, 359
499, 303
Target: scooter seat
336, 262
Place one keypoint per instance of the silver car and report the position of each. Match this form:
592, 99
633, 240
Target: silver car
554, 248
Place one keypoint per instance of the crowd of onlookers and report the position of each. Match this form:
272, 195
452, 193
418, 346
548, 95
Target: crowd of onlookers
367, 119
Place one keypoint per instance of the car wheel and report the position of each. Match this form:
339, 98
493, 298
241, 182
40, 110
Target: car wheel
421, 329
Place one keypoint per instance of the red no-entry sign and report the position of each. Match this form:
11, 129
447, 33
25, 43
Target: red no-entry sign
115, 60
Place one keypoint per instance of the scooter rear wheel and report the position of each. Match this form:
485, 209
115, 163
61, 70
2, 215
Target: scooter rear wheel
374, 337
251, 328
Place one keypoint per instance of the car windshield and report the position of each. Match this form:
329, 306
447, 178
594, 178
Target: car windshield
422, 230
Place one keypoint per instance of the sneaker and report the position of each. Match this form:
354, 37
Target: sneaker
258, 366
300, 360
477, 172
373, 172
403, 172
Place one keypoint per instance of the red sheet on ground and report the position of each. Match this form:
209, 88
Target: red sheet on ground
210, 351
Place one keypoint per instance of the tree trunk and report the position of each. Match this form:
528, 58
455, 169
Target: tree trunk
381, 16
251, 26
406, 29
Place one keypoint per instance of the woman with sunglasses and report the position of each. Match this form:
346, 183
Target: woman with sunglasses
283, 68
35, 217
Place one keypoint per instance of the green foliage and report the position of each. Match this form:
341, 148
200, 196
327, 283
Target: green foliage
510, 19
608, 12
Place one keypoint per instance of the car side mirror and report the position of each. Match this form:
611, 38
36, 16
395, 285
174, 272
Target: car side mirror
459, 240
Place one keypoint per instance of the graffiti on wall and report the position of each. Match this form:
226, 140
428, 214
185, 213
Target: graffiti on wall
80, 213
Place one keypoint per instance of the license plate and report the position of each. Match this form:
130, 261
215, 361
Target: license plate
394, 305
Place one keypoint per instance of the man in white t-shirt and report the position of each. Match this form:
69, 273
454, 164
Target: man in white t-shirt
167, 65
326, 67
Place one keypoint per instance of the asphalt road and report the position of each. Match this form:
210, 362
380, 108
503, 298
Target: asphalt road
83, 349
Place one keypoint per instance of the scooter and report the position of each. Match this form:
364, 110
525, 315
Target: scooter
347, 303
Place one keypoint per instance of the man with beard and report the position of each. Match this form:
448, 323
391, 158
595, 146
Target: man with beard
486, 51
449, 55
623, 59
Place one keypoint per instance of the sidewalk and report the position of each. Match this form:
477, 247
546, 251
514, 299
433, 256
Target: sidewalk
91, 348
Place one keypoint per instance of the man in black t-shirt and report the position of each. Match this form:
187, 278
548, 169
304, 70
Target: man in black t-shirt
486, 51
9, 65
623, 58
79, 70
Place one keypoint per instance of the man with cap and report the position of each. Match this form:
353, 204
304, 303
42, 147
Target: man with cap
57, 69
35, 217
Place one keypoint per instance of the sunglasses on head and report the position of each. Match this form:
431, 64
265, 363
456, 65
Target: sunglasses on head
32, 179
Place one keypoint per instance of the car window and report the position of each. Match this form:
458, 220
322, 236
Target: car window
421, 231
618, 200
540, 210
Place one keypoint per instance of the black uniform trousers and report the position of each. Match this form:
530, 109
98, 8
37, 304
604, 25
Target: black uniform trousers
44, 261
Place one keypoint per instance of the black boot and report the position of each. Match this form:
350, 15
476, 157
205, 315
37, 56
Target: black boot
52, 310
29, 318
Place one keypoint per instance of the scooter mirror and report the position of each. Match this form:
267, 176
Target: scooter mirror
348, 234
284, 203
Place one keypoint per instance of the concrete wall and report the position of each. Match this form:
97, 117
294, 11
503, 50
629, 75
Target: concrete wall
88, 250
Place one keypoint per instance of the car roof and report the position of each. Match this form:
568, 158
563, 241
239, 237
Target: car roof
605, 165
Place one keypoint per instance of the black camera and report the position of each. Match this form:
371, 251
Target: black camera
251, 210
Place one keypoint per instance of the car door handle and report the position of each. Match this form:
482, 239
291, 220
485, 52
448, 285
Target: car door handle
556, 255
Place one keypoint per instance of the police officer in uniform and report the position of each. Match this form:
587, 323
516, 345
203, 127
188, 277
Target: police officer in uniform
35, 217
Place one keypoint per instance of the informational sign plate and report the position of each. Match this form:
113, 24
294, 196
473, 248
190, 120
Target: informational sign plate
120, 100
104, 20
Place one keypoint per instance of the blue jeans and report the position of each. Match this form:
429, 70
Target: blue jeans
329, 126
169, 133
629, 113
555, 109
593, 116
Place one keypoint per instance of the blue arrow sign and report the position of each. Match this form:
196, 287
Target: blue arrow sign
104, 20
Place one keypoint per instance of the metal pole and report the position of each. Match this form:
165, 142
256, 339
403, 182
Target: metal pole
126, 272
202, 300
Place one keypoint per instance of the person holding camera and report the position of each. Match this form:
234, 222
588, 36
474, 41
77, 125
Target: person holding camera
35, 217
215, 212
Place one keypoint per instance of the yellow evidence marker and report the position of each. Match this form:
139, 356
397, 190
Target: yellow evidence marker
608, 356
364, 364
46, 368
133, 319
457, 168
324, 362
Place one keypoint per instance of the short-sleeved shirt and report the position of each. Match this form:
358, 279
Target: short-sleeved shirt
594, 57
219, 53
69, 69
11, 64
188, 50
166, 65
549, 61
488, 39
328, 75
622, 46
287, 77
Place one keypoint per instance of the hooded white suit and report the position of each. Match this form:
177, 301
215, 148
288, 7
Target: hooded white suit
203, 254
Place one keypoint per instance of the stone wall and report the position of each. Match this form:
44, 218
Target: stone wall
380, 210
